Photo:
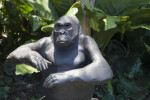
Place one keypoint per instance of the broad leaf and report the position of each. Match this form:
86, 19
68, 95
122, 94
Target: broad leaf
109, 87
24, 69
62, 6
22, 6
111, 21
44, 8
117, 7
37, 22
48, 28
76, 10
130, 89
103, 37
94, 14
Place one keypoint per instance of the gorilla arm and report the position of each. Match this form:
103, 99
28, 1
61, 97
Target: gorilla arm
28, 54
97, 72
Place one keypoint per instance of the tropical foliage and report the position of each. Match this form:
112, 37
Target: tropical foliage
120, 27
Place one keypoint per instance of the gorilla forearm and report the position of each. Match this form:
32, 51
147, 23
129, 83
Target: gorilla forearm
96, 72
22, 56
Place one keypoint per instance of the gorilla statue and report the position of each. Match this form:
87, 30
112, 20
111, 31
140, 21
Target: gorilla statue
70, 61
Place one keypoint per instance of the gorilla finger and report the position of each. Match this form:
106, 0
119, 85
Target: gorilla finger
52, 84
47, 80
45, 64
50, 81
49, 63
47, 83
39, 65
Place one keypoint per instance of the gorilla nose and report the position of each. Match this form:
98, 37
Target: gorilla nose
62, 32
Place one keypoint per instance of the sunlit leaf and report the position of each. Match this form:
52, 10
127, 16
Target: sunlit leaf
111, 21
30, 41
22, 69
141, 26
94, 14
48, 28
76, 10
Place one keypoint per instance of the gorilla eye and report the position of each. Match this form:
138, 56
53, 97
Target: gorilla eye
57, 26
68, 25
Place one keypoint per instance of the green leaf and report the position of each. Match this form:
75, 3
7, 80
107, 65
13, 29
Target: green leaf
138, 16
94, 14
30, 41
94, 25
89, 6
131, 66
22, 6
62, 6
48, 28
141, 26
44, 8
109, 87
119, 7
72, 11
135, 68
22, 69
130, 89
37, 22
111, 21
103, 37
98, 94
108, 96
76, 9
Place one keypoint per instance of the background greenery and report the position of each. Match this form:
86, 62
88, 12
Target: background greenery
121, 29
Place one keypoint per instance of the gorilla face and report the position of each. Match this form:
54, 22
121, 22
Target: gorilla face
66, 31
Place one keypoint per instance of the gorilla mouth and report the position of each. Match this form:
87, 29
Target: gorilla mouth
62, 41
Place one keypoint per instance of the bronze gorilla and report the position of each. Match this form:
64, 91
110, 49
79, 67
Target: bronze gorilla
70, 62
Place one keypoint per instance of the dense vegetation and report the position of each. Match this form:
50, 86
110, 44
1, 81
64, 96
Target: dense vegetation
120, 27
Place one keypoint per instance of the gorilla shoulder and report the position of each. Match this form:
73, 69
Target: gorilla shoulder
45, 40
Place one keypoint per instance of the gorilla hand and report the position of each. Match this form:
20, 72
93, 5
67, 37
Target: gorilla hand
39, 62
57, 79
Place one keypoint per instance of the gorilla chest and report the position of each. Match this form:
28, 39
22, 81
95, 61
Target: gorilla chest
67, 59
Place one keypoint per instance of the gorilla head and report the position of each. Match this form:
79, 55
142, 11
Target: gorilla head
66, 31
